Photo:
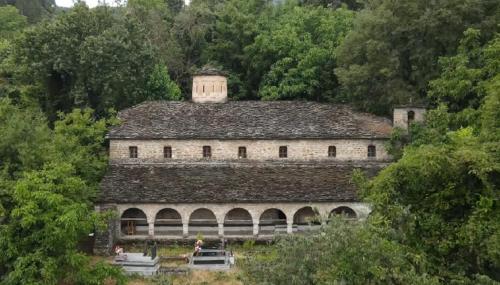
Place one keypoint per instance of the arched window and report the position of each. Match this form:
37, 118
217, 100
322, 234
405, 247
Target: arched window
411, 117
332, 151
372, 151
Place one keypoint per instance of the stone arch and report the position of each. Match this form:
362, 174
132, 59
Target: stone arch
345, 212
134, 222
203, 221
168, 222
272, 221
237, 222
306, 219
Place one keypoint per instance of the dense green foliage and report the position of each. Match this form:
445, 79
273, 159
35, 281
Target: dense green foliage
390, 55
48, 180
34, 10
104, 60
342, 253
302, 48
436, 215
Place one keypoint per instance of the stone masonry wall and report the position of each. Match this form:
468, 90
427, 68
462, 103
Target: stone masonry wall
152, 150
209, 89
105, 239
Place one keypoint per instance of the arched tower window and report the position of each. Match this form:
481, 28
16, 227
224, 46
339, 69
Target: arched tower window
411, 117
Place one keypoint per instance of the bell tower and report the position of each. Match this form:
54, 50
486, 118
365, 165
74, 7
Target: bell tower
209, 86
403, 116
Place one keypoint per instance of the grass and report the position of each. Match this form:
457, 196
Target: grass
231, 277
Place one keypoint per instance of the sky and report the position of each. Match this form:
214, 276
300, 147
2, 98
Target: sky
90, 3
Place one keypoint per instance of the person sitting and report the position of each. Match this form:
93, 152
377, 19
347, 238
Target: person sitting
197, 247
120, 256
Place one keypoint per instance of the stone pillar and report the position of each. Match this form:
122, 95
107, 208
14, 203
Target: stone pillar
255, 229
185, 229
105, 238
221, 230
289, 227
151, 229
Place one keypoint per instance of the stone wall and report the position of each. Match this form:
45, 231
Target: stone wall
209, 89
105, 239
152, 150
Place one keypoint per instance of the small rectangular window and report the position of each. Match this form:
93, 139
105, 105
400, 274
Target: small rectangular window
132, 151
167, 152
283, 153
207, 151
332, 151
242, 152
372, 151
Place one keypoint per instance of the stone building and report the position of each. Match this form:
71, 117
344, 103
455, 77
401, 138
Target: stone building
238, 169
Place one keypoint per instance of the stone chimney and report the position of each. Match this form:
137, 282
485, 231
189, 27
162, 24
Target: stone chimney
209, 86
403, 116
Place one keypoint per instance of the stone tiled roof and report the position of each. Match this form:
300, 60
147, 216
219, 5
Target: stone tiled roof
247, 120
210, 70
230, 182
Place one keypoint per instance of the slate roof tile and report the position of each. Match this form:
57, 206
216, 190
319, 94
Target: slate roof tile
247, 120
232, 182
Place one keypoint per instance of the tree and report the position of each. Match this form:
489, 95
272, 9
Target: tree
442, 196
441, 199
96, 58
11, 22
296, 56
462, 83
191, 33
34, 10
160, 86
238, 23
50, 216
25, 135
389, 57
48, 181
11, 25
175, 6
351, 4
342, 253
